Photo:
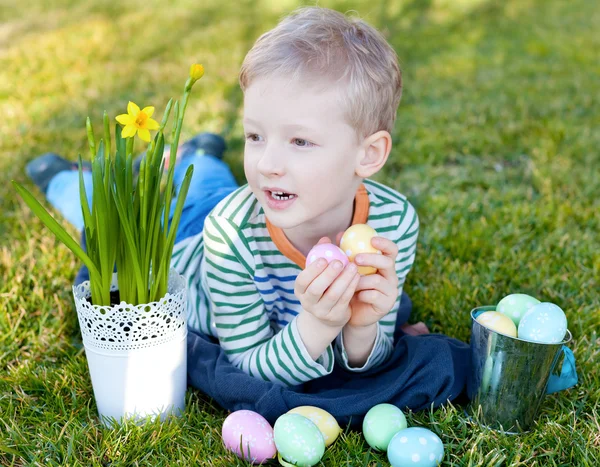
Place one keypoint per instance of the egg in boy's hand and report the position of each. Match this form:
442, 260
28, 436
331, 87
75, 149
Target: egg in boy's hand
357, 239
329, 251
375, 258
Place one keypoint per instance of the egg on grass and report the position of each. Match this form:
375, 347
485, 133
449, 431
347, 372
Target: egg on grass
415, 447
381, 423
298, 440
326, 423
249, 435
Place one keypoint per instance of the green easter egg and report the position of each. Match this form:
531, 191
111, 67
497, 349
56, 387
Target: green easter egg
516, 305
298, 440
381, 423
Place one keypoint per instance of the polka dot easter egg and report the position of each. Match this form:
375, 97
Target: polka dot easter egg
498, 322
545, 323
250, 431
298, 440
327, 425
516, 305
329, 251
415, 447
357, 239
381, 423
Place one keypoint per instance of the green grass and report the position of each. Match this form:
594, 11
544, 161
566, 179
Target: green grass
496, 144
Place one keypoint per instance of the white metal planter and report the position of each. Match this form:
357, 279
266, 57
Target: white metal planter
136, 354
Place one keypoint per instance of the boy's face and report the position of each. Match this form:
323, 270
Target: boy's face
298, 143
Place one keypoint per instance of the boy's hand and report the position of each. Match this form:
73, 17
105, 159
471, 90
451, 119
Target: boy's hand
376, 293
325, 290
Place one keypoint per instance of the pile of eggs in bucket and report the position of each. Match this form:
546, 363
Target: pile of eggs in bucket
525, 317
299, 437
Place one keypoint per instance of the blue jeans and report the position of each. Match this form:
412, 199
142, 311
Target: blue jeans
211, 182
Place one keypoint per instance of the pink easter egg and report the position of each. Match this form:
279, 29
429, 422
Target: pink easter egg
251, 431
329, 251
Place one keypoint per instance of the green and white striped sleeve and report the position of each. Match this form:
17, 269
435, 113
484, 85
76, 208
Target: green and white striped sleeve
186, 259
382, 349
407, 233
241, 319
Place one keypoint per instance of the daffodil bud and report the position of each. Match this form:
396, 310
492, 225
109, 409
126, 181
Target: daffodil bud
196, 72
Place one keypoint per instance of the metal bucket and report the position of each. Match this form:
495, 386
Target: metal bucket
509, 376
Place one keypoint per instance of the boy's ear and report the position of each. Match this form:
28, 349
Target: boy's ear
376, 149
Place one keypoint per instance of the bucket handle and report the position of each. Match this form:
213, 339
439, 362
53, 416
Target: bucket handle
568, 374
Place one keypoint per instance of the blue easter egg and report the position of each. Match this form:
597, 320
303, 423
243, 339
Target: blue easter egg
415, 447
545, 323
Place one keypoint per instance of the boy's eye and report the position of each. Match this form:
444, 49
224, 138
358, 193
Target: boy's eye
299, 142
252, 137
302, 143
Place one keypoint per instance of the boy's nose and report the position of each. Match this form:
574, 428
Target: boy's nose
270, 163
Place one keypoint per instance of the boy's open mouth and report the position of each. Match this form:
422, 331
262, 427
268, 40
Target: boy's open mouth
281, 195
279, 199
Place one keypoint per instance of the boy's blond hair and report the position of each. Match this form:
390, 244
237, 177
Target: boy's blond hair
318, 44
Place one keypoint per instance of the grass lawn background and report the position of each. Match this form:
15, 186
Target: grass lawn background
496, 144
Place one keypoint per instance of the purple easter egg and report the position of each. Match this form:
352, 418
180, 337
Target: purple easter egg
329, 251
250, 431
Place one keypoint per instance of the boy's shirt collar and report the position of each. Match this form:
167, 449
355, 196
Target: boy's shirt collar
361, 215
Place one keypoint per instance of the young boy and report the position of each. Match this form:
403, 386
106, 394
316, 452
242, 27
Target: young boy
320, 100
266, 333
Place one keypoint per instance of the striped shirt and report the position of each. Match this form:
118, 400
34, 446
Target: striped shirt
241, 271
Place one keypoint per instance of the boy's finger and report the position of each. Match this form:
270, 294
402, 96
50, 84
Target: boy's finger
371, 297
347, 294
338, 238
386, 246
339, 287
371, 282
306, 277
384, 264
323, 240
320, 283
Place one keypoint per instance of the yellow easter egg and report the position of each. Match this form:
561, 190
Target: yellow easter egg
357, 239
327, 425
498, 322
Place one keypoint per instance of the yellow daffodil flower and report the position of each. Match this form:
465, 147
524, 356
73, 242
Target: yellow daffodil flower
138, 121
196, 71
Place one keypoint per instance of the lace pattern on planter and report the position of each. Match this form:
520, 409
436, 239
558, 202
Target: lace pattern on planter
129, 327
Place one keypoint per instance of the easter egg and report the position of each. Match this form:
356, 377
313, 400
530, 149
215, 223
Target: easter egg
298, 440
329, 251
357, 239
327, 425
545, 323
381, 423
250, 431
498, 322
415, 447
516, 305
